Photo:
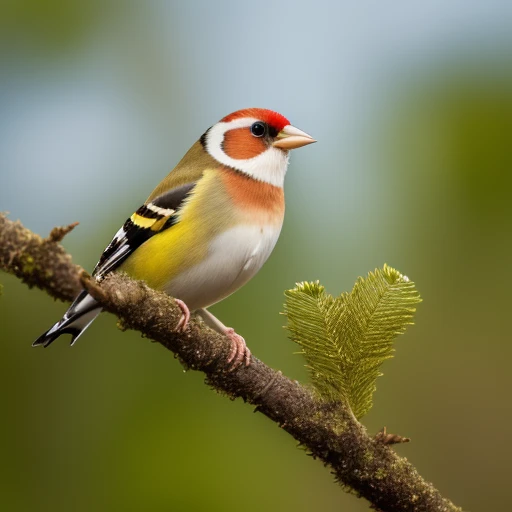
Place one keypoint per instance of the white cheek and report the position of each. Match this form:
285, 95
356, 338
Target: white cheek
270, 166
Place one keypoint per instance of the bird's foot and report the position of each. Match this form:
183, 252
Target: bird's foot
239, 350
185, 317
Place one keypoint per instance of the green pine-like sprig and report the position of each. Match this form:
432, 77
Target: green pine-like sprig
346, 339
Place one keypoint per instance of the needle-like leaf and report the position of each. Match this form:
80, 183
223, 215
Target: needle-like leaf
346, 339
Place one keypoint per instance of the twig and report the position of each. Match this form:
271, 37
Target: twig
385, 438
59, 232
364, 464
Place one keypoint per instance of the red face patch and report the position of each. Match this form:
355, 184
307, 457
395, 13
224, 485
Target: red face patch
240, 144
270, 117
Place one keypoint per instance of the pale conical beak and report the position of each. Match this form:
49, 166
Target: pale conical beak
290, 138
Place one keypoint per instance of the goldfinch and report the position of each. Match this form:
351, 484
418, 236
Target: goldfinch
208, 227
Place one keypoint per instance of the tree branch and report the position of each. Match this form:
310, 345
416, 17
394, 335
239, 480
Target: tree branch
329, 431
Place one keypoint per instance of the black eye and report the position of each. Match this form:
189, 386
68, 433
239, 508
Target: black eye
258, 129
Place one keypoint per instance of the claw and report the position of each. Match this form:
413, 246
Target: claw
239, 350
185, 317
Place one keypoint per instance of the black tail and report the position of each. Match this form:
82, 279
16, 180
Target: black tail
76, 319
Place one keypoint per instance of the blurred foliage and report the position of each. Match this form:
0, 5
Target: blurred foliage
48, 25
346, 339
459, 128
476, 130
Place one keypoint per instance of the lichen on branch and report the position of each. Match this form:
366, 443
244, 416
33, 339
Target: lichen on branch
37, 261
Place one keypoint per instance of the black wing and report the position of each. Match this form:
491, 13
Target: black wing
150, 219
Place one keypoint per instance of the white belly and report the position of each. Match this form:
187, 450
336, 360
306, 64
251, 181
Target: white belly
233, 258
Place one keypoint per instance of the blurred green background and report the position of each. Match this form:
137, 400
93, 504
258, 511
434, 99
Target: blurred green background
412, 107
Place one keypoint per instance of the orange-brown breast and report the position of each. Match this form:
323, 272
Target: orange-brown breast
262, 202
240, 144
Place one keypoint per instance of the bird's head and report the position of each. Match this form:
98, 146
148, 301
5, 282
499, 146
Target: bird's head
256, 142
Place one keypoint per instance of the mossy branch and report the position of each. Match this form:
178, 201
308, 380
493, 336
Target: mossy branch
366, 465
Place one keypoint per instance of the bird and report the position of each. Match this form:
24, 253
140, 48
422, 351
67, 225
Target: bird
207, 228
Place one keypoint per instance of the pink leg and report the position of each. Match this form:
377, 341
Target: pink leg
239, 350
185, 317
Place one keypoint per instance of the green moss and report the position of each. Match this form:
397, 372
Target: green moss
121, 325
368, 456
380, 474
339, 428
28, 264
